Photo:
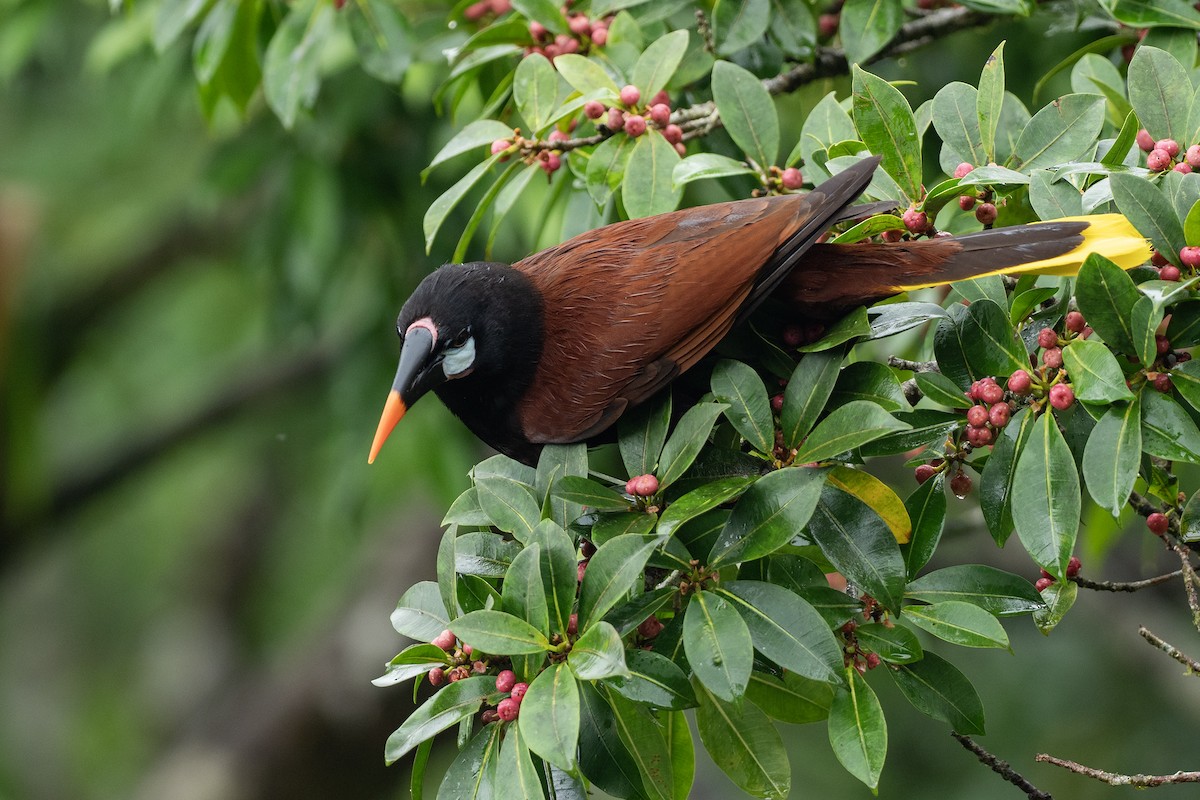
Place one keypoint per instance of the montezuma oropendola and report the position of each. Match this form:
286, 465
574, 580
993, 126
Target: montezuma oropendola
554, 348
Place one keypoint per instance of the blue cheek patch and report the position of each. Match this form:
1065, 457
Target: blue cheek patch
458, 361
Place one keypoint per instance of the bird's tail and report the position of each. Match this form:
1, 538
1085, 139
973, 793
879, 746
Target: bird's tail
839, 276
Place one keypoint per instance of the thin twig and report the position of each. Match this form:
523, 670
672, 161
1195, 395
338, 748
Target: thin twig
912, 392
1002, 768
1190, 581
1124, 586
912, 366
1192, 664
1116, 779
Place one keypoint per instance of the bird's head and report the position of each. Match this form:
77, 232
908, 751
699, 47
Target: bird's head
460, 317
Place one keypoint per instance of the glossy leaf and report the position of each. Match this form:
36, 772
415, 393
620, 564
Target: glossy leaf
892, 318
786, 629
383, 39
655, 680
807, 392
499, 633
554, 462
1150, 212
990, 102
1144, 320
598, 653
585, 75
549, 717
559, 572
1046, 504
1061, 131
515, 772
744, 744
927, 509
647, 187
449, 706
1106, 296
1167, 430
292, 63
606, 168
544, 11
956, 119
871, 381
1112, 456
685, 441
718, 645
748, 112
658, 62
792, 698
523, 594
1059, 597
848, 427
877, 495
853, 325
1186, 380
860, 545
976, 342
749, 409
768, 515
1095, 374
737, 24
941, 390
1159, 99
885, 121
420, 613
708, 165
639, 731
960, 623
867, 26
472, 774
603, 757
591, 494
440, 208
411, 662
857, 730
611, 572
895, 645
484, 553
936, 687
995, 591
699, 500
641, 434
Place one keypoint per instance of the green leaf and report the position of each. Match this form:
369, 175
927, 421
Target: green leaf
860, 545
1112, 456
544, 11
610, 526
598, 653
1061, 131
1148, 13
585, 75
603, 757
447, 577
174, 16
1160, 103
927, 509
857, 730
647, 187
737, 24
892, 318
549, 719
292, 63
1106, 296
867, 26
768, 515
1026, 303
792, 698
886, 124
1184, 328
606, 168
1167, 430
1150, 212
690, 434
213, 39
465, 510
744, 744
523, 594
1052, 199
658, 63
990, 102
851, 326
978, 341
956, 120
480, 133
718, 645
708, 165
941, 390
420, 613
1059, 597
1046, 504
699, 500
587, 492
825, 125
936, 687
872, 226
536, 91
895, 645
509, 505
848, 427
642, 736
870, 381
559, 572
749, 409
498, 633
472, 774
449, 706
1145, 319
785, 629
1095, 373
383, 39
440, 208
1186, 379
641, 434
748, 112
929, 427
655, 680
995, 591
412, 661
558, 461
610, 573
514, 770
1189, 520
959, 623
807, 392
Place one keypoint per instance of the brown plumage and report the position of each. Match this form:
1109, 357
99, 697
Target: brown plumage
556, 347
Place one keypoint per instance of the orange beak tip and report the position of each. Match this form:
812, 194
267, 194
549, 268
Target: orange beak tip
393, 412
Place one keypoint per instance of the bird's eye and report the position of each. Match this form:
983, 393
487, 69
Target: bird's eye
461, 338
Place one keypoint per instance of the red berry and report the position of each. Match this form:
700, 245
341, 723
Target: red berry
1162, 345
1158, 259
660, 114
793, 336
489, 716
963, 169
557, 136
501, 6
573, 624
986, 213
506, 680
551, 163
593, 109
1169, 146
581, 570
1075, 322
616, 119
1158, 160
472, 12
1170, 272
1073, 566
587, 548
1145, 140
977, 416
538, 31
1190, 257
500, 145
792, 179
599, 36
579, 25
999, 415
980, 437
673, 134
641, 485
1047, 338
635, 125
1193, 155
924, 472
892, 236
966, 202
1020, 382
777, 403
990, 391
650, 628
1062, 396
508, 709
916, 221
1162, 382
960, 484
444, 640
827, 25
437, 676
1053, 357
661, 98
518, 691
1158, 523
1043, 583
630, 95
551, 51
1183, 168
873, 660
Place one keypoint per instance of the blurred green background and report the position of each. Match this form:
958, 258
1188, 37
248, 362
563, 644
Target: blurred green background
197, 565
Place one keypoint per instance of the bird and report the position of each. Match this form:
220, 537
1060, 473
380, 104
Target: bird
556, 347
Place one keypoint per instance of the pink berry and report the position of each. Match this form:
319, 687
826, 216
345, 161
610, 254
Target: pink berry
924, 472
791, 179
479, 667
1192, 156
573, 624
579, 25
1020, 382
977, 416
999, 415
1047, 338
960, 484
827, 25
518, 691
1169, 272
963, 169
437, 676
1162, 383
506, 680
551, 51
1158, 259
642, 486
680, 148
892, 236
500, 145
538, 31
873, 660
660, 114
990, 391
476, 11
1183, 168
1162, 345
673, 134
581, 570
1073, 566
1145, 140
1158, 160
616, 119
986, 213
444, 640
599, 36
557, 136
916, 221
1075, 322
1043, 583
966, 202
1053, 357
980, 437
552, 163
593, 109
630, 95
1062, 396
650, 628
1169, 146
1190, 257
1158, 523
501, 6
508, 709
777, 403
635, 125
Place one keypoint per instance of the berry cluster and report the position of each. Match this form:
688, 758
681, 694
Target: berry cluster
989, 414
642, 486
477, 11
585, 33
546, 155
1164, 154
634, 118
981, 201
1047, 580
852, 653
510, 707
461, 666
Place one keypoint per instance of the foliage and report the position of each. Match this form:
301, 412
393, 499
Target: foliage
711, 593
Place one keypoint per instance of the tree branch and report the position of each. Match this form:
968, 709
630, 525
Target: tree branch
1116, 779
1192, 664
1124, 586
1002, 768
